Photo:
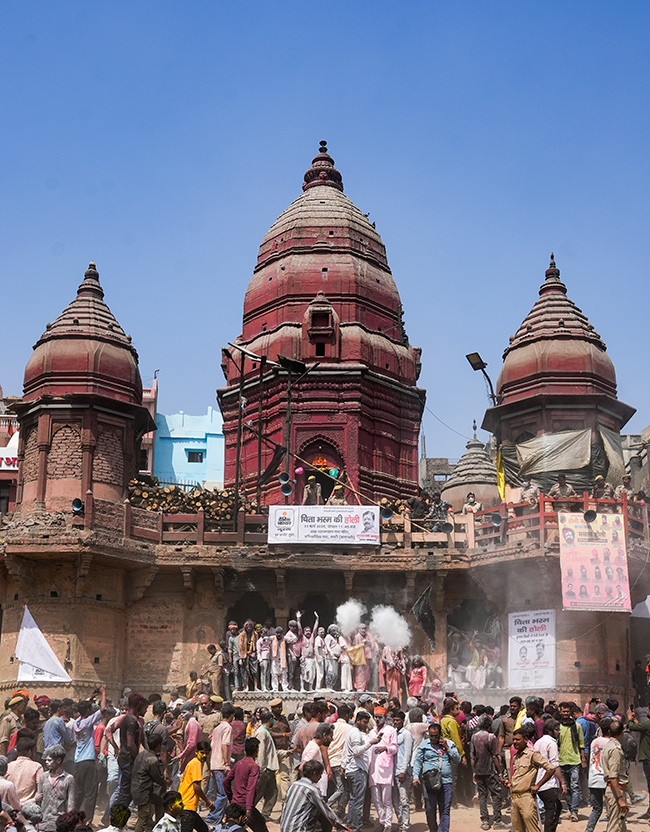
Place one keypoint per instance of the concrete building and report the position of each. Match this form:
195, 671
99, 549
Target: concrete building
129, 596
190, 449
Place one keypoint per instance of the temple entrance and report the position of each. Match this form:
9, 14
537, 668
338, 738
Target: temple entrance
251, 605
474, 646
325, 462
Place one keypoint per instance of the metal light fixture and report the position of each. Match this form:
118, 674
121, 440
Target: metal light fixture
477, 363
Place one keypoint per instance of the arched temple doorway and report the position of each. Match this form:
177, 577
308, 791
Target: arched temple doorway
324, 459
250, 605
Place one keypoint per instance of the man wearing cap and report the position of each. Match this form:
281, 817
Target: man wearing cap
337, 497
281, 736
312, 496
11, 721
625, 489
559, 492
212, 672
602, 490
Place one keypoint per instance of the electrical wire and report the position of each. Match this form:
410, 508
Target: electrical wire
453, 430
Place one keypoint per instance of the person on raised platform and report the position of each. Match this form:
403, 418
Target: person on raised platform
308, 657
294, 641
332, 656
312, 496
279, 661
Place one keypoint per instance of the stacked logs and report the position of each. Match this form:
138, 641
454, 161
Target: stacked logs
147, 493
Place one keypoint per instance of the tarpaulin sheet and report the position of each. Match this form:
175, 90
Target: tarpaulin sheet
614, 450
563, 451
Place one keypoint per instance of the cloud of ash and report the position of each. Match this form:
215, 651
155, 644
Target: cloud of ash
348, 616
388, 627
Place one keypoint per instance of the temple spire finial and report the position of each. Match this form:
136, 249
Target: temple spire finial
474, 427
322, 171
552, 263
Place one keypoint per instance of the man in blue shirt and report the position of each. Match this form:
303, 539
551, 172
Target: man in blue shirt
86, 776
55, 731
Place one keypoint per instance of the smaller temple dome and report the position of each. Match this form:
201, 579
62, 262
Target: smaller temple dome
475, 471
555, 350
86, 351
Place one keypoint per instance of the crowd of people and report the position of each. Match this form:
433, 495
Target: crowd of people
264, 657
205, 764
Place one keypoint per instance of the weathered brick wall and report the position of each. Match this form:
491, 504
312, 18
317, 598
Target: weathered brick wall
145, 519
30, 462
108, 515
108, 458
64, 458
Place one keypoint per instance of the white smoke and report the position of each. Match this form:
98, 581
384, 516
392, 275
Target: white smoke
348, 616
389, 627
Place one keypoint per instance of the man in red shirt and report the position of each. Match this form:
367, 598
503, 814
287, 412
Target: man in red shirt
240, 785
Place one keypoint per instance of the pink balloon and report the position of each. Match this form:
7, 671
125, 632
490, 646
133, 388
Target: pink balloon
299, 470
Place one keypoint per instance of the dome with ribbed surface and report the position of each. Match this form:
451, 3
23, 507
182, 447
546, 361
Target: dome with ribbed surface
85, 350
555, 349
475, 471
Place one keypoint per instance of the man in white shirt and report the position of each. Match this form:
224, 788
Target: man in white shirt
322, 737
596, 777
403, 772
267, 760
549, 792
354, 761
342, 726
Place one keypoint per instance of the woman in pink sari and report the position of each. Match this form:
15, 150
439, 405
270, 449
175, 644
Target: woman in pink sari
417, 676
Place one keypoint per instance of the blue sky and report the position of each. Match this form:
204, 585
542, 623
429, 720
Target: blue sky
161, 139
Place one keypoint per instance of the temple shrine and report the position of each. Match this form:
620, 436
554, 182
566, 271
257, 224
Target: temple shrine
322, 368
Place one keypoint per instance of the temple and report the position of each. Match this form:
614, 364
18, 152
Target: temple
322, 369
322, 293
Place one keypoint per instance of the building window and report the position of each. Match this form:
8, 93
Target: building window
195, 456
320, 349
144, 459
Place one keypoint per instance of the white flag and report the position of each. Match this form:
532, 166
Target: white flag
38, 662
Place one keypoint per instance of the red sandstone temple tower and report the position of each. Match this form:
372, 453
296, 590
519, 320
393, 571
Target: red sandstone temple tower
322, 291
81, 414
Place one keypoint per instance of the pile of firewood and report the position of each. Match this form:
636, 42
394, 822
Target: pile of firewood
219, 506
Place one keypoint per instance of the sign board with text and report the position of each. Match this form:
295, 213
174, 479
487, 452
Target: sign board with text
354, 525
531, 650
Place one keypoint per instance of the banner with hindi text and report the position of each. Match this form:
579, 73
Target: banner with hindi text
354, 525
531, 650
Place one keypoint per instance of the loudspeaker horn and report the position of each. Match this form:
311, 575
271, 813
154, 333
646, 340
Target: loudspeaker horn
77, 505
496, 519
386, 513
284, 478
589, 515
286, 488
446, 528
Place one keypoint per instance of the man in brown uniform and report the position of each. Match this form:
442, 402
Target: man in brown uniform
612, 761
525, 765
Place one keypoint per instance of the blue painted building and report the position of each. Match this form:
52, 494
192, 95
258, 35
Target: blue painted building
190, 449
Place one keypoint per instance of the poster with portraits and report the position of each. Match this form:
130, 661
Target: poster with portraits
593, 559
531, 650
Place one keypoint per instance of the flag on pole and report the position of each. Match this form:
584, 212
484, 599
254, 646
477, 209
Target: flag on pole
38, 662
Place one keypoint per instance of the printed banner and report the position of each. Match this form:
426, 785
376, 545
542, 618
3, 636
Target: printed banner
324, 524
531, 650
593, 559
